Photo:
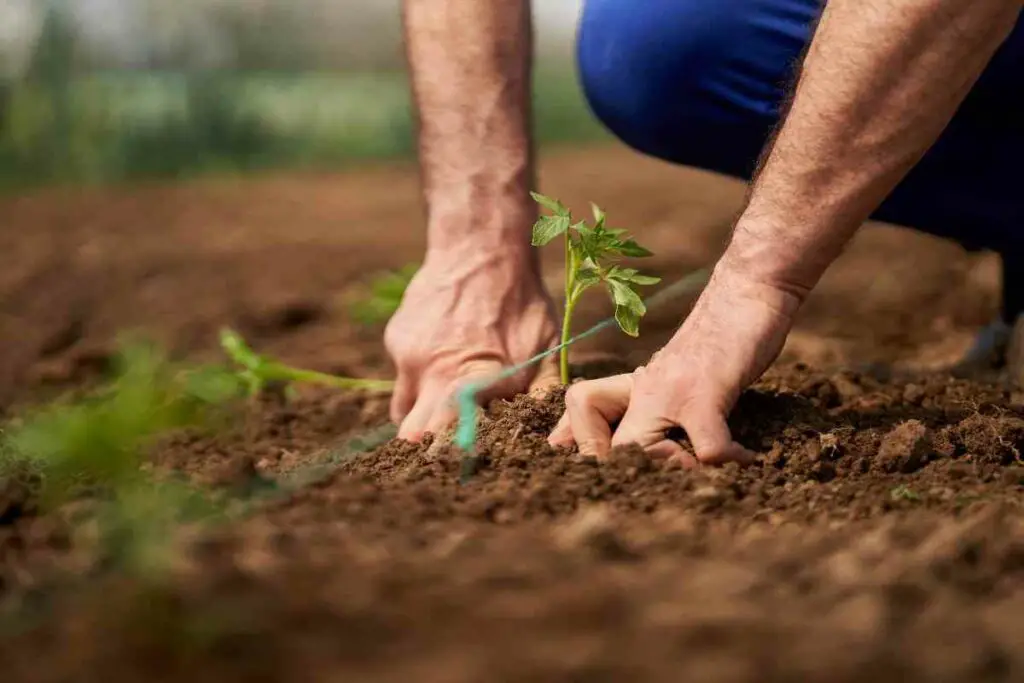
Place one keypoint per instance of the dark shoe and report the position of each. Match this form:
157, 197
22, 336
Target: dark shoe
1014, 365
989, 352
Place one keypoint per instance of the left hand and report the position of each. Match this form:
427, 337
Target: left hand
736, 330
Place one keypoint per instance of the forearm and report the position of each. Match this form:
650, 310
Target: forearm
470, 64
881, 80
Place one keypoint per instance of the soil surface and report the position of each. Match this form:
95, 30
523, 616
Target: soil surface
879, 537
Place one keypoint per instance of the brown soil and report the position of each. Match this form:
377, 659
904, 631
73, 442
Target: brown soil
879, 537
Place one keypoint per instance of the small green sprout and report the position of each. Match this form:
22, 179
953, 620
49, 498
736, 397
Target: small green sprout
100, 441
904, 493
383, 296
257, 372
590, 255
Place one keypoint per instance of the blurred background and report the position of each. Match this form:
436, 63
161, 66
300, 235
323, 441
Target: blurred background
98, 91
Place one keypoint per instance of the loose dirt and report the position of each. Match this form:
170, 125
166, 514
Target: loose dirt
879, 537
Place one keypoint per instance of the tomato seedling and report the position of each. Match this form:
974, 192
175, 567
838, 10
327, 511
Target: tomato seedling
591, 252
257, 371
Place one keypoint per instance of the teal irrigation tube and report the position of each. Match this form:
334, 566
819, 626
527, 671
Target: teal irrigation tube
465, 433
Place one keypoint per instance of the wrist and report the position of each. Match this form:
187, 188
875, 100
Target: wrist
762, 261
471, 230
739, 277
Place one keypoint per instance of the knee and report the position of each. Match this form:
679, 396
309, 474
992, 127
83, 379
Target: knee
642, 64
689, 81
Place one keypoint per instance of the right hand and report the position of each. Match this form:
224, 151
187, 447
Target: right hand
464, 318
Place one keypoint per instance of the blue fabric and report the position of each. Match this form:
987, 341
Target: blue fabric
701, 83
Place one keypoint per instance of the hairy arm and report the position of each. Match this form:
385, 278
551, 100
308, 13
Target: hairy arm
478, 303
470, 64
881, 80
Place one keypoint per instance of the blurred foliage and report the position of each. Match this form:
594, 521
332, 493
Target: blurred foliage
98, 443
379, 299
120, 126
226, 87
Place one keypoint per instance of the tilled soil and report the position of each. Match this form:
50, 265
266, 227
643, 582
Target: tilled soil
879, 537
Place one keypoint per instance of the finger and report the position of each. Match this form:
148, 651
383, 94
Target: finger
592, 407
404, 397
484, 377
414, 426
711, 439
641, 425
561, 435
548, 375
667, 449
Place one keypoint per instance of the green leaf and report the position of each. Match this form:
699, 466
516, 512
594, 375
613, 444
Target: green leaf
628, 320
548, 228
644, 280
623, 295
238, 350
587, 276
552, 205
631, 248
599, 216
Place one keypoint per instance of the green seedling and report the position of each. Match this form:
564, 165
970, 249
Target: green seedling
256, 372
100, 440
591, 253
904, 493
383, 296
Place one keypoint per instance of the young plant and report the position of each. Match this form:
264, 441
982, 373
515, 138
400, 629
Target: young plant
100, 441
591, 253
383, 296
256, 371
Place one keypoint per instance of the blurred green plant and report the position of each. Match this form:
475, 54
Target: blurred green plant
382, 296
99, 442
117, 126
258, 372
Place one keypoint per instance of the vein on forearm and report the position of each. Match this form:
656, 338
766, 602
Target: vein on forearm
881, 80
470, 62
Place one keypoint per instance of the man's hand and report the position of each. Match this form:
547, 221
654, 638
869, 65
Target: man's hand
463, 320
881, 80
477, 304
733, 334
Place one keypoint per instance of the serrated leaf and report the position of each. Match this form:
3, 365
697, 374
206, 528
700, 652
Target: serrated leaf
548, 228
623, 295
599, 216
552, 205
632, 249
628, 320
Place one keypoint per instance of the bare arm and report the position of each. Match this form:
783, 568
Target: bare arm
881, 80
478, 303
470, 64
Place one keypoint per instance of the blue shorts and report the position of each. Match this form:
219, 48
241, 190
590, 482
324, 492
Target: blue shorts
700, 82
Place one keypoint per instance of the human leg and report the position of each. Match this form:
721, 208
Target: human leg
704, 83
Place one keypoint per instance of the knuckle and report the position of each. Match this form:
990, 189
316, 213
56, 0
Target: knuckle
579, 394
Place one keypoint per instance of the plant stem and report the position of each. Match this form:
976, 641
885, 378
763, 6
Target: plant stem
570, 304
285, 373
563, 360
